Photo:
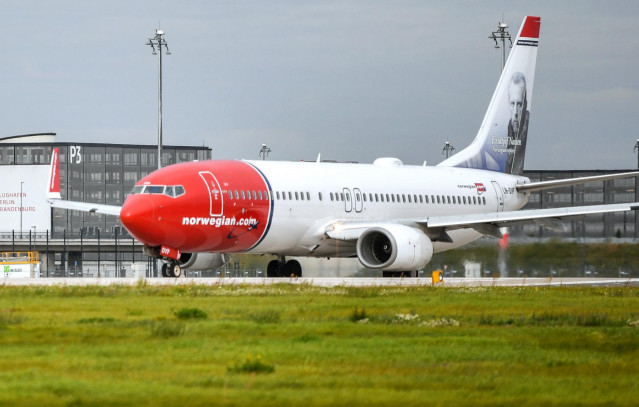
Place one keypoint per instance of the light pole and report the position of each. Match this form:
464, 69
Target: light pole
264, 151
21, 183
637, 150
156, 44
503, 35
448, 149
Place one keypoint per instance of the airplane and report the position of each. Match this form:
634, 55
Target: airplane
390, 216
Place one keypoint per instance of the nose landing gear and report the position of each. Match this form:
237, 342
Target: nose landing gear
171, 269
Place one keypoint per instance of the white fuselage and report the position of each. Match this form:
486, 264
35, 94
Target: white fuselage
308, 196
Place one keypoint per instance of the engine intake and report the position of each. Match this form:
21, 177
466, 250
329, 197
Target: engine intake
394, 247
203, 261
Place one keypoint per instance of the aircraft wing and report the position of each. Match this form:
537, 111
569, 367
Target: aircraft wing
54, 197
86, 206
489, 223
485, 223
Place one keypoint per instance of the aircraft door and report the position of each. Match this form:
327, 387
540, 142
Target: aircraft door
359, 203
348, 200
500, 196
216, 197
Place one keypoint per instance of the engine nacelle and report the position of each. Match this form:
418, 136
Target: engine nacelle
203, 261
394, 247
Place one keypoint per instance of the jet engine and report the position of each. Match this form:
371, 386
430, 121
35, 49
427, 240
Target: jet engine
394, 247
203, 261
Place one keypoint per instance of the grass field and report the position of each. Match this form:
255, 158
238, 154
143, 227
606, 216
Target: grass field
303, 345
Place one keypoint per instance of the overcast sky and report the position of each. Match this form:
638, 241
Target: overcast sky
352, 80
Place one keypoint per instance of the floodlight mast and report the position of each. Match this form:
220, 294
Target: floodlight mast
264, 151
503, 35
637, 150
159, 42
448, 149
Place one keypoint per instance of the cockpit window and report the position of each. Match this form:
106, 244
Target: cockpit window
170, 190
154, 189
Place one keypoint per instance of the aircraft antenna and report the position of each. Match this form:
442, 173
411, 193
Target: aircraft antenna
156, 44
503, 35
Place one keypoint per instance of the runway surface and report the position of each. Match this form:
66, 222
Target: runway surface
330, 281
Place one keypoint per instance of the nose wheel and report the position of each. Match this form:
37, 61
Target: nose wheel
171, 269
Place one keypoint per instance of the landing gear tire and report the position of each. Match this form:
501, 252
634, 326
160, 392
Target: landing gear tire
175, 270
165, 273
291, 268
272, 270
399, 274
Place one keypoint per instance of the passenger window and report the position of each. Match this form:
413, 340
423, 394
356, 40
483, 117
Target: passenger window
237, 195
259, 193
297, 197
319, 195
438, 201
230, 194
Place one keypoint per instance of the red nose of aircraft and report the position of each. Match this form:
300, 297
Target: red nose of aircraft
138, 216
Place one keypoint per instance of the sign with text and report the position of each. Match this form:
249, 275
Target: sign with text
23, 191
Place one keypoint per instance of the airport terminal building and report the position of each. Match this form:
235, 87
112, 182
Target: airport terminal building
105, 173
89, 172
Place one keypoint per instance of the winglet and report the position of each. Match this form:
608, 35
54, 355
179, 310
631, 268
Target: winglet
54, 176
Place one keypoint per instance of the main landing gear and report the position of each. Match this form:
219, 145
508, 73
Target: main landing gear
171, 269
400, 274
283, 268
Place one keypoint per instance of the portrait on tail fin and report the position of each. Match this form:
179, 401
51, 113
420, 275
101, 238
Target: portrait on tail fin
518, 124
505, 149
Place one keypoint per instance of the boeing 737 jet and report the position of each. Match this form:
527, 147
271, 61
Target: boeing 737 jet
391, 216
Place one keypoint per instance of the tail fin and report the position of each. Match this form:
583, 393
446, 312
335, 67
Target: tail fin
54, 176
500, 144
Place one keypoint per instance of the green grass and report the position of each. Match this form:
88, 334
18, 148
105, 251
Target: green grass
303, 345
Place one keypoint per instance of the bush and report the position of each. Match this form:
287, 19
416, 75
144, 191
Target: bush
190, 313
252, 365
358, 314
